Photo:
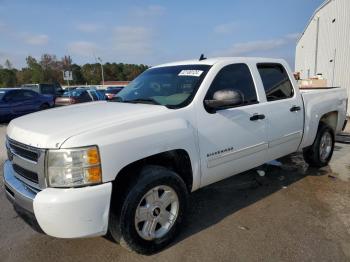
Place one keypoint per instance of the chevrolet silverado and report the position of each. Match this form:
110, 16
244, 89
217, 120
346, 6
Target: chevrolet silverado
127, 166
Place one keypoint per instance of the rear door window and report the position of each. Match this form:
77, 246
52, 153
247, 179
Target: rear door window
276, 81
28, 94
18, 95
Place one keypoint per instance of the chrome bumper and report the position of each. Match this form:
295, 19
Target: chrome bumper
17, 192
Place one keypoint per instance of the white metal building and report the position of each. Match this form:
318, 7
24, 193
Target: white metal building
324, 47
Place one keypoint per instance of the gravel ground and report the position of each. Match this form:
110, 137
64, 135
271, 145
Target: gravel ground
294, 213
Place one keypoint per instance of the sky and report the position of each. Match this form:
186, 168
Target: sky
151, 31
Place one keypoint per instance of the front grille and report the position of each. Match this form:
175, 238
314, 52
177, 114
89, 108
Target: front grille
24, 151
31, 176
28, 163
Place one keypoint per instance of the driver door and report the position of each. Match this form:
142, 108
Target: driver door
232, 140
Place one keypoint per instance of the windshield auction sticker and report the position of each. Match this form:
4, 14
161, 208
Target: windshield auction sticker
196, 73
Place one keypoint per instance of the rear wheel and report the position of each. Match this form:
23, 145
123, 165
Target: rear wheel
320, 152
44, 106
151, 213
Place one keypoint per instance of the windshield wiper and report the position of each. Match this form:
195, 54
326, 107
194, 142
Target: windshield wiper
142, 100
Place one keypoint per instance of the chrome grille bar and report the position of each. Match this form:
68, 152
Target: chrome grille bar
28, 163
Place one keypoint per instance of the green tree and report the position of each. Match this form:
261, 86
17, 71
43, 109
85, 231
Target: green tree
78, 77
92, 73
7, 77
49, 70
35, 70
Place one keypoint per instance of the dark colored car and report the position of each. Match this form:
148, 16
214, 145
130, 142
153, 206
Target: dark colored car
15, 102
45, 89
112, 91
102, 93
76, 96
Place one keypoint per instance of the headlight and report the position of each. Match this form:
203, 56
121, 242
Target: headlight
74, 167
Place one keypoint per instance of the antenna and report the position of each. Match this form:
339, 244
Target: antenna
202, 57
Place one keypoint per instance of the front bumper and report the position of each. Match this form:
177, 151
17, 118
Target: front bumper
63, 213
16, 191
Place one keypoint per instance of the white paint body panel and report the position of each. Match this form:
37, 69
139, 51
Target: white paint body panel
73, 212
125, 133
318, 103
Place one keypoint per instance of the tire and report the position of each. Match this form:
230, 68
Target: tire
127, 229
313, 154
44, 106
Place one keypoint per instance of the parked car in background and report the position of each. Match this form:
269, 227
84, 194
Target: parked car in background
45, 89
102, 93
15, 102
76, 96
70, 88
112, 91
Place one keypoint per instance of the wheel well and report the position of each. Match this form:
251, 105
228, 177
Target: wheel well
176, 160
330, 119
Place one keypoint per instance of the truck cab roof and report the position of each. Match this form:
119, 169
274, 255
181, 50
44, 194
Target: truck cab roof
215, 60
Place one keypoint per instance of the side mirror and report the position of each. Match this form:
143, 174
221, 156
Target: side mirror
224, 98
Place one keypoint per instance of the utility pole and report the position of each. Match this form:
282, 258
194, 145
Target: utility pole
99, 60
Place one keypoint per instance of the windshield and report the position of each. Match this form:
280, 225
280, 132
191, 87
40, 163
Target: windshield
172, 86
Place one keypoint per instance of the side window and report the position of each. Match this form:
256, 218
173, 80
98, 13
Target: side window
94, 95
47, 89
18, 95
276, 81
27, 94
85, 95
10, 95
238, 78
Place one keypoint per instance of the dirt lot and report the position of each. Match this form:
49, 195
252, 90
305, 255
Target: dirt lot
291, 214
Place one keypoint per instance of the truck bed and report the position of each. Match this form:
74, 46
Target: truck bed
318, 102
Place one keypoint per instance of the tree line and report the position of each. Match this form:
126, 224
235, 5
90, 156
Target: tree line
49, 69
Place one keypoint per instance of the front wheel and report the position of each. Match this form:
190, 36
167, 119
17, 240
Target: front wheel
320, 152
152, 211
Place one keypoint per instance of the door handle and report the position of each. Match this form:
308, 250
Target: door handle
295, 108
256, 117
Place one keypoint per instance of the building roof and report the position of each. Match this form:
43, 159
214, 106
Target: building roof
326, 2
116, 83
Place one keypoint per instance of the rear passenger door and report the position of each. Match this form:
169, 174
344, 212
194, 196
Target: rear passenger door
284, 107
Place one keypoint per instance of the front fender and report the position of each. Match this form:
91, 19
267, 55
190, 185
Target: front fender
122, 145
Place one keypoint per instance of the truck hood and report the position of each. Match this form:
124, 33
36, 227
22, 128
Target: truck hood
51, 128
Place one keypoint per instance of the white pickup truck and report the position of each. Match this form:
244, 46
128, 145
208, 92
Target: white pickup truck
127, 166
